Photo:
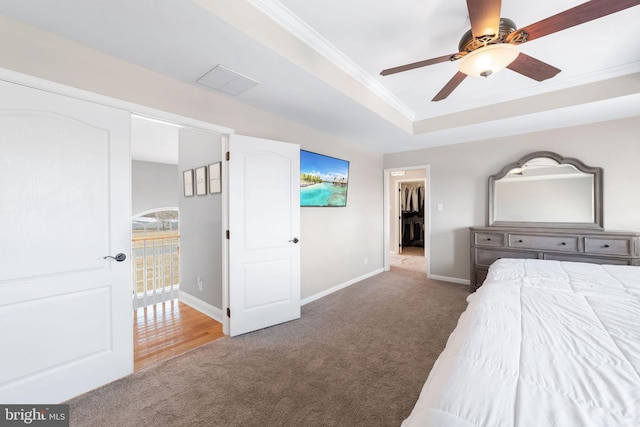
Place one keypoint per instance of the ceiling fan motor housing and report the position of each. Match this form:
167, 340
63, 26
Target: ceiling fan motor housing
468, 43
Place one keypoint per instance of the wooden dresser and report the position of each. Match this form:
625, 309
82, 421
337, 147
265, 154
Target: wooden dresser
489, 244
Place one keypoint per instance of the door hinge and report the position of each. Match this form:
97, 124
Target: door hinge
228, 156
228, 312
228, 235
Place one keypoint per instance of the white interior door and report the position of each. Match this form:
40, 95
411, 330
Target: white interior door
264, 225
65, 310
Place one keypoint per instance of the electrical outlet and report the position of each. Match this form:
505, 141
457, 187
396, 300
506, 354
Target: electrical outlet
199, 283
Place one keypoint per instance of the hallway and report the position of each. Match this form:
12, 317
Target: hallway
168, 329
410, 261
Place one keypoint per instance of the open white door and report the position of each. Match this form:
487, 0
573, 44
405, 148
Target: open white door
65, 309
264, 225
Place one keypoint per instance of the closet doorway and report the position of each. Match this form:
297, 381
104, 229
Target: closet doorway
411, 218
407, 220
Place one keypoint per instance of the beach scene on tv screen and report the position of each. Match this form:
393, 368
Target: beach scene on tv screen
323, 180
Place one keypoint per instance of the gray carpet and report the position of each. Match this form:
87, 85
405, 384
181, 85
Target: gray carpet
358, 357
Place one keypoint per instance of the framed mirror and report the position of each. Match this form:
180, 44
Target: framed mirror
544, 189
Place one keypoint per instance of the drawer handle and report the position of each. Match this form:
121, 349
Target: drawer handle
488, 239
563, 244
520, 241
606, 246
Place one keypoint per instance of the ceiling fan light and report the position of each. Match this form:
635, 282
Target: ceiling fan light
488, 59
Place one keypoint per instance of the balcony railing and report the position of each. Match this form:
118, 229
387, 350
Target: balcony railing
155, 260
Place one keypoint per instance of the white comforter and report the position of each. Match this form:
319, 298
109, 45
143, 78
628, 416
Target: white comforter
542, 343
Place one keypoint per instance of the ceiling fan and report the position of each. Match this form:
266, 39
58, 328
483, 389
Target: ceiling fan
492, 42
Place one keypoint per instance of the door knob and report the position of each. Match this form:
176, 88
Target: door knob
294, 240
119, 257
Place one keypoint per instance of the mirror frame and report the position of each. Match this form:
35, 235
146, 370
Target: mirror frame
598, 207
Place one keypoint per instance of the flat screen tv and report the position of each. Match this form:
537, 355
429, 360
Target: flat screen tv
323, 180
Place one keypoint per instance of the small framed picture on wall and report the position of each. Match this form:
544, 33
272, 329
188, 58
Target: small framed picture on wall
187, 179
201, 181
214, 178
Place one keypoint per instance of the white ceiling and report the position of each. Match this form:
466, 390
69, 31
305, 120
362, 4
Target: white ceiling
318, 62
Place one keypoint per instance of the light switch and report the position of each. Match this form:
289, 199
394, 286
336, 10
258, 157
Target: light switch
440, 208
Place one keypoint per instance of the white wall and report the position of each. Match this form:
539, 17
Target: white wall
154, 186
459, 175
334, 241
200, 221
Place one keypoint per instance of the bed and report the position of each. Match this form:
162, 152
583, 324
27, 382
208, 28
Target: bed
541, 343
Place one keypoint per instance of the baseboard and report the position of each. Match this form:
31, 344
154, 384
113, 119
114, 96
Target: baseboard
450, 279
341, 286
205, 308
217, 314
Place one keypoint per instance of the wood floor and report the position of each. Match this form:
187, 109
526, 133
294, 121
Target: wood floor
168, 329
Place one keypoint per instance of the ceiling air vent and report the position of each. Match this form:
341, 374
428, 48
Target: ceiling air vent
228, 81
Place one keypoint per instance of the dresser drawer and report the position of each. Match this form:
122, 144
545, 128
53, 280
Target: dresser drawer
591, 260
488, 239
545, 243
487, 257
597, 245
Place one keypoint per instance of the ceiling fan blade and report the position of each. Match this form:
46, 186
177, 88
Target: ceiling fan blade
484, 16
533, 68
418, 64
580, 14
449, 87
